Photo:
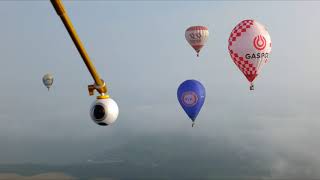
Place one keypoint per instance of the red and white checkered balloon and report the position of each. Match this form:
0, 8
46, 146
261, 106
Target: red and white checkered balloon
197, 36
249, 47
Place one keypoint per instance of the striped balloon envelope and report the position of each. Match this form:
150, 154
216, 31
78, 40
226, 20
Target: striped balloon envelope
197, 36
249, 46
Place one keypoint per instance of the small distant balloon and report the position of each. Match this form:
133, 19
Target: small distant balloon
47, 80
191, 95
249, 47
197, 36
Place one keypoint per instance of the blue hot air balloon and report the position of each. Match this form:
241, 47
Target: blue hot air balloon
191, 95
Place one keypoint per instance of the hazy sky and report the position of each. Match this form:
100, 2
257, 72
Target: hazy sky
140, 51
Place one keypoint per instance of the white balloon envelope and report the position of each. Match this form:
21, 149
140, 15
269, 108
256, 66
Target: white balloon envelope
47, 80
249, 47
197, 36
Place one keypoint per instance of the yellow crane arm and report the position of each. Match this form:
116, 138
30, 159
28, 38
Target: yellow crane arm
99, 83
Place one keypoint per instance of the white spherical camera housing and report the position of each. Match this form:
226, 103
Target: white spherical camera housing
104, 111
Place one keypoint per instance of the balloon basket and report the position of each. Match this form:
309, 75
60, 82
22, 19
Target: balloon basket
251, 87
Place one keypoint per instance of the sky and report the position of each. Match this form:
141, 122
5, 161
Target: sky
140, 51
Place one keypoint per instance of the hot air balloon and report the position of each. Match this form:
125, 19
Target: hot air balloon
191, 95
197, 36
249, 47
47, 80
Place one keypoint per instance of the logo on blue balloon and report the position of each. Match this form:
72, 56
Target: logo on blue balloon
189, 98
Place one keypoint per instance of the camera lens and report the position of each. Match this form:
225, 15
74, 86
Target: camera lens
99, 112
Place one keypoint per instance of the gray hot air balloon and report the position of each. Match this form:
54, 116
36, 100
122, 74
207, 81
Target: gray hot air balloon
47, 80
